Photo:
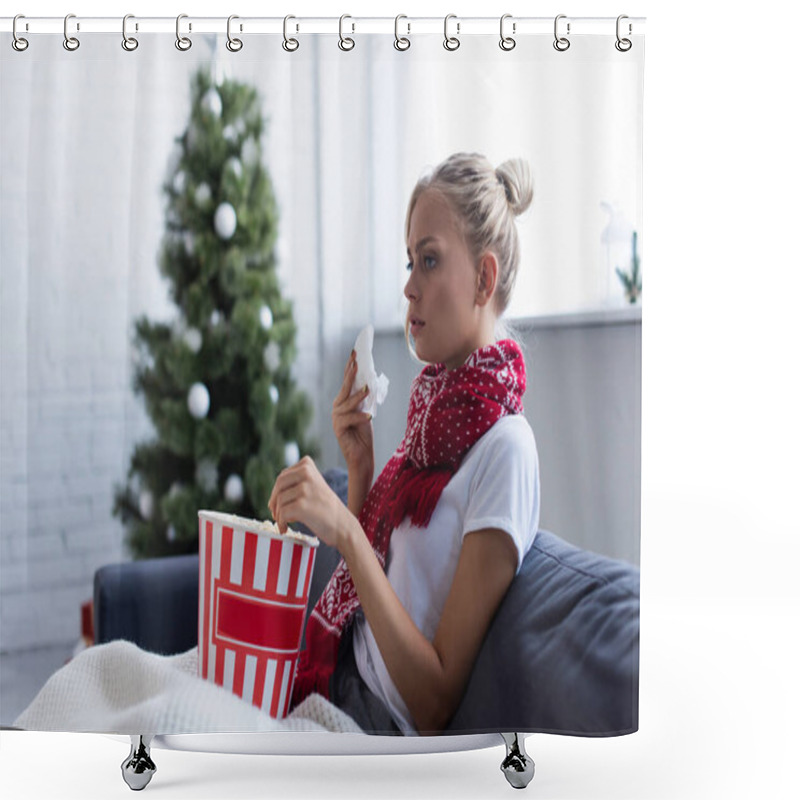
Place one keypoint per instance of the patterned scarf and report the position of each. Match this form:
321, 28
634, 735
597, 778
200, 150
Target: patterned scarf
448, 413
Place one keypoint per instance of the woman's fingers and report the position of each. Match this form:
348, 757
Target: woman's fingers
286, 505
350, 372
289, 478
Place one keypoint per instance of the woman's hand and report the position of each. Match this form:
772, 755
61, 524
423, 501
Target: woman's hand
353, 428
300, 494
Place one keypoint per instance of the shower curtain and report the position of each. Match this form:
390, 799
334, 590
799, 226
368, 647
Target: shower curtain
197, 224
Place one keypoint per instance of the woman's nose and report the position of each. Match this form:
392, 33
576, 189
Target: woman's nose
410, 290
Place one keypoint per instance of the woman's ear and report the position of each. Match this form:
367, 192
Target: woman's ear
487, 278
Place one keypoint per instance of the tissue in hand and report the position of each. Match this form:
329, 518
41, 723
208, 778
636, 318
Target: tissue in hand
366, 375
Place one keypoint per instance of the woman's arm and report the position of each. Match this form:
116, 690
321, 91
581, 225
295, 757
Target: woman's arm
359, 482
432, 676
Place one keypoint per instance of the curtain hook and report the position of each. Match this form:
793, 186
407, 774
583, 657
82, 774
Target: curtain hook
18, 43
561, 43
129, 43
401, 43
234, 45
451, 42
290, 45
506, 42
623, 45
346, 43
70, 42
182, 42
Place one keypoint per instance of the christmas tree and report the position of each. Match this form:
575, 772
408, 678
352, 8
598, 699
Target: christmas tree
217, 383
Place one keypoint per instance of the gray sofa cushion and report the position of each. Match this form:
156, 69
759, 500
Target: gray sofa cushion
562, 654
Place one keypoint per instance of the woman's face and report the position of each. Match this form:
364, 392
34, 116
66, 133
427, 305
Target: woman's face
444, 318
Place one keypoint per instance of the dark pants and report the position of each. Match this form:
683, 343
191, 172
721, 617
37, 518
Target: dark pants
354, 697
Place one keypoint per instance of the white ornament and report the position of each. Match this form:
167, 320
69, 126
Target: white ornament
188, 243
235, 166
234, 489
193, 340
171, 534
146, 504
206, 475
272, 356
216, 317
265, 315
274, 395
179, 182
250, 153
291, 454
202, 195
225, 221
199, 400
211, 103
229, 134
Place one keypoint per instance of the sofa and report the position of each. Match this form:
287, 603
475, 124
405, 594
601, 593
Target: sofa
561, 654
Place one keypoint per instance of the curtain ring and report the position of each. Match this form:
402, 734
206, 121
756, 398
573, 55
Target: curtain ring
401, 43
129, 43
506, 42
451, 42
346, 43
18, 43
623, 45
70, 42
182, 42
290, 45
561, 43
234, 45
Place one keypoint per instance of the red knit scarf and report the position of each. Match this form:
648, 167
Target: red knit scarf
448, 412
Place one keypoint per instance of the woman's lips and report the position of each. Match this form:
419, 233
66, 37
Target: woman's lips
415, 325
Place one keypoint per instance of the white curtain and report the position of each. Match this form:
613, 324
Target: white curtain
87, 139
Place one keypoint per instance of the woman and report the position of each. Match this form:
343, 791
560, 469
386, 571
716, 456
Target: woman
430, 549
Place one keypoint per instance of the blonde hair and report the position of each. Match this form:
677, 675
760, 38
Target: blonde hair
485, 202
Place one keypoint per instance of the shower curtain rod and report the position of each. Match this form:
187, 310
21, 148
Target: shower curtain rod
347, 24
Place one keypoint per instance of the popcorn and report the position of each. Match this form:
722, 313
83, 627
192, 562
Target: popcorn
366, 375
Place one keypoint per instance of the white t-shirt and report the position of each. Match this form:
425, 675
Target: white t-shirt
496, 486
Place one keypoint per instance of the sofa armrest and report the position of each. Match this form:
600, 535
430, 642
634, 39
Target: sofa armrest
152, 603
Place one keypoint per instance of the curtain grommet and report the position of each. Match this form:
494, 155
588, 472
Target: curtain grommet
346, 43
183, 43
451, 43
401, 43
129, 43
507, 42
234, 45
561, 43
71, 43
289, 44
19, 43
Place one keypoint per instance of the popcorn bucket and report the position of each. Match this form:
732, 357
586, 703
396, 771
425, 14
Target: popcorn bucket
254, 586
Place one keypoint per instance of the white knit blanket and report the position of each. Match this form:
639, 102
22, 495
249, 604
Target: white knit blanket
119, 688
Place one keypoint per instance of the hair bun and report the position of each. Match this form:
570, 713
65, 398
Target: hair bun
515, 177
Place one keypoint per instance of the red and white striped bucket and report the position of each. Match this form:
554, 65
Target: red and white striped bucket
253, 592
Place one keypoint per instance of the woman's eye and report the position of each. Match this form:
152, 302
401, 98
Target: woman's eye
428, 262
